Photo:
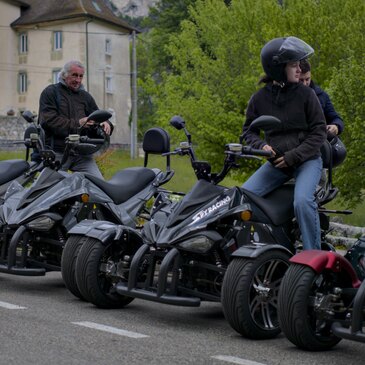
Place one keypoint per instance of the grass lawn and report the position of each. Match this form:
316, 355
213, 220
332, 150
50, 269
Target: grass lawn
114, 160
184, 178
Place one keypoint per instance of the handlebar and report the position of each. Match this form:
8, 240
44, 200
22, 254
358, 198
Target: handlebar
77, 139
243, 151
202, 169
246, 150
184, 149
85, 139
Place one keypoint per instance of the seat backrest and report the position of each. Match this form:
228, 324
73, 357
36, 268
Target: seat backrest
156, 141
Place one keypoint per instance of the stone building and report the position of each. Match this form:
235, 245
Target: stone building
38, 37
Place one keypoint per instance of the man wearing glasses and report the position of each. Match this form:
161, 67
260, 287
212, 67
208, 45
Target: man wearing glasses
63, 109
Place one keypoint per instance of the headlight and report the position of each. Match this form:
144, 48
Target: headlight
197, 244
41, 223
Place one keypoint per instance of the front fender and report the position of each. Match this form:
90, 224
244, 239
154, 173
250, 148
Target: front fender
326, 260
254, 250
104, 231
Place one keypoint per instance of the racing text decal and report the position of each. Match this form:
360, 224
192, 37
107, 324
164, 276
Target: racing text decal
210, 209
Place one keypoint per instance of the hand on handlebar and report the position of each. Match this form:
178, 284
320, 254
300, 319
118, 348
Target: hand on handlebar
83, 122
106, 127
280, 161
269, 149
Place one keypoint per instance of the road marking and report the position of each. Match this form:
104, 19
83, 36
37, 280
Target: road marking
11, 306
109, 329
236, 360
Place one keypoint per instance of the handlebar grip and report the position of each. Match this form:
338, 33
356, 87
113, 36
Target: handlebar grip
252, 151
92, 140
178, 151
96, 141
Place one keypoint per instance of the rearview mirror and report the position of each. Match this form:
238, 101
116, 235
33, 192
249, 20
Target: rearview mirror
177, 122
28, 116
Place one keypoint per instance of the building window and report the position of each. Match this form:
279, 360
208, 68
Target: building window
23, 82
23, 43
57, 40
108, 46
55, 74
109, 84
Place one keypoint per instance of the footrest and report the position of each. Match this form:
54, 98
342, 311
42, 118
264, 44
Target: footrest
347, 333
24, 271
122, 289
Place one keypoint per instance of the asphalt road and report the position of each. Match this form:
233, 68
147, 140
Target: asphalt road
42, 323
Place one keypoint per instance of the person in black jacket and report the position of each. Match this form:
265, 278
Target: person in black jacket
63, 109
334, 122
296, 147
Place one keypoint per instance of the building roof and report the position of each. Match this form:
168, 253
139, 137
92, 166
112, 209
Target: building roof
41, 11
17, 2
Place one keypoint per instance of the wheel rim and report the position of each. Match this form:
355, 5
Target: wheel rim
264, 293
319, 306
109, 268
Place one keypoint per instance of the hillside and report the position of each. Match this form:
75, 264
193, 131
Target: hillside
134, 8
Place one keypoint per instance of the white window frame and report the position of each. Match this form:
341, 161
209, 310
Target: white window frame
23, 43
23, 82
57, 40
109, 84
108, 46
55, 73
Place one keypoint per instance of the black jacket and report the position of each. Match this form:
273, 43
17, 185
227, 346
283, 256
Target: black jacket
60, 110
304, 126
332, 117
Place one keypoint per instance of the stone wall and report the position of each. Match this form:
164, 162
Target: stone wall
344, 235
12, 128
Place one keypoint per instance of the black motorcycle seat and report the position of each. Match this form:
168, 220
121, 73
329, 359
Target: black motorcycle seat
125, 183
11, 169
278, 205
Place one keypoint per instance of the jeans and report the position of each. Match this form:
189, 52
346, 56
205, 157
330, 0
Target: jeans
307, 176
80, 163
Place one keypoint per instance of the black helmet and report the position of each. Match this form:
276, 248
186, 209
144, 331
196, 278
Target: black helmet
279, 51
338, 149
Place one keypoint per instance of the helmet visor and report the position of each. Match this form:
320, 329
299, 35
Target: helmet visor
292, 50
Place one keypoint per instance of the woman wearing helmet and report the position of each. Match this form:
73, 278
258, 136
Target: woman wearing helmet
296, 146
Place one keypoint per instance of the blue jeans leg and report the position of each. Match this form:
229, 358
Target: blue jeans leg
266, 179
307, 177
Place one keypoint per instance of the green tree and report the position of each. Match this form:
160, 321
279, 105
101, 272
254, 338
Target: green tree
152, 54
349, 94
154, 58
216, 69
215, 65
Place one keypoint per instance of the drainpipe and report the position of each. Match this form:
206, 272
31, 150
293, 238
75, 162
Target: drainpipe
87, 53
134, 99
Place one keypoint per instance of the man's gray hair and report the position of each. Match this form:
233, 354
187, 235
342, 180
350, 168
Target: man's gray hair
67, 67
